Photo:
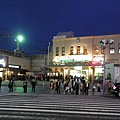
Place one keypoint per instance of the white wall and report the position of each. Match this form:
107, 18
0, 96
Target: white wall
117, 73
110, 69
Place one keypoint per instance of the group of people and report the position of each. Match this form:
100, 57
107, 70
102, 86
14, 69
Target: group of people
57, 88
11, 84
74, 86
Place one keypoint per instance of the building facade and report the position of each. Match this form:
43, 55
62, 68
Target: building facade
84, 56
20, 65
69, 55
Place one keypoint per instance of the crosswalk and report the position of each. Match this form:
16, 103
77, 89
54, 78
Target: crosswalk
37, 106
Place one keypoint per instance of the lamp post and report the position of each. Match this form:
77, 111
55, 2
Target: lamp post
104, 43
49, 53
18, 40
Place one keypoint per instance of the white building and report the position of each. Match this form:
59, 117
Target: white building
84, 56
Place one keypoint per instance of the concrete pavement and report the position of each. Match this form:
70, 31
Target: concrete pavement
42, 87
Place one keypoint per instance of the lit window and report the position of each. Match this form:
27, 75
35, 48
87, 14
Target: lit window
112, 48
63, 51
57, 51
96, 51
78, 50
71, 50
85, 50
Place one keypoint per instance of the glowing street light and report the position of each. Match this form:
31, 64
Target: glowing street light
18, 40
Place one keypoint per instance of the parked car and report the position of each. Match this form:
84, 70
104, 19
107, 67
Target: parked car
116, 89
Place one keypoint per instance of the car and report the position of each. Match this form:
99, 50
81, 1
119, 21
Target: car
115, 89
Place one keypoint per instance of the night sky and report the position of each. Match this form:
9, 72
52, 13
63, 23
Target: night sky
39, 20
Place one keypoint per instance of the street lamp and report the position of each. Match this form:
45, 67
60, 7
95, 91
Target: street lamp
104, 43
49, 53
18, 40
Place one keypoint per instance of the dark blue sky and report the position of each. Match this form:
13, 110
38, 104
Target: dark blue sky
40, 20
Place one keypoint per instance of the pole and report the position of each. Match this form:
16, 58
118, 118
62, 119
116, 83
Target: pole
17, 45
104, 72
48, 52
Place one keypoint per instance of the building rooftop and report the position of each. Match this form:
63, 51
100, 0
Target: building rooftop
64, 35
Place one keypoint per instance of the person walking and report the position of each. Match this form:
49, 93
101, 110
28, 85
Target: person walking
51, 87
25, 86
77, 87
73, 85
58, 86
93, 89
86, 88
33, 85
99, 88
0, 81
10, 85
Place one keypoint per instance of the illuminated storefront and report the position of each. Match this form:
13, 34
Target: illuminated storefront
7, 69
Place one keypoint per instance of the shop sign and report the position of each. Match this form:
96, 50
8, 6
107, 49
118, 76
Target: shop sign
13, 66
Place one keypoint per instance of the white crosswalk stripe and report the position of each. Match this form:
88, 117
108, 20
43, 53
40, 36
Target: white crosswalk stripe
67, 104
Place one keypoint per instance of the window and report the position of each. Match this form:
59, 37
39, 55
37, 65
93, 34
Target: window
96, 51
78, 50
57, 51
112, 48
85, 50
119, 48
63, 51
71, 50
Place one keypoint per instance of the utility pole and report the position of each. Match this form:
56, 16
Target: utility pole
103, 44
49, 53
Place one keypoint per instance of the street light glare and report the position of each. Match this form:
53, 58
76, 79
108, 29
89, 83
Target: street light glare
20, 38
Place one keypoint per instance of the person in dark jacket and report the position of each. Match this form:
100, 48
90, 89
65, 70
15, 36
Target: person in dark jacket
77, 87
10, 85
33, 85
25, 86
58, 86
0, 81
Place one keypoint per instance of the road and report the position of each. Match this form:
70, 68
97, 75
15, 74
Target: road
31, 106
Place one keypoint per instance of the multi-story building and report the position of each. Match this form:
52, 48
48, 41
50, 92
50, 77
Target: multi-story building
21, 64
69, 55
84, 56
13, 64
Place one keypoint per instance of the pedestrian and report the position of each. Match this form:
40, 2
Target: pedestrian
99, 89
81, 88
93, 89
77, 87
10, 85
33, 85
58, 86
51, 87
25, 86
0, 81
86, 88
73, 85
110, 86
